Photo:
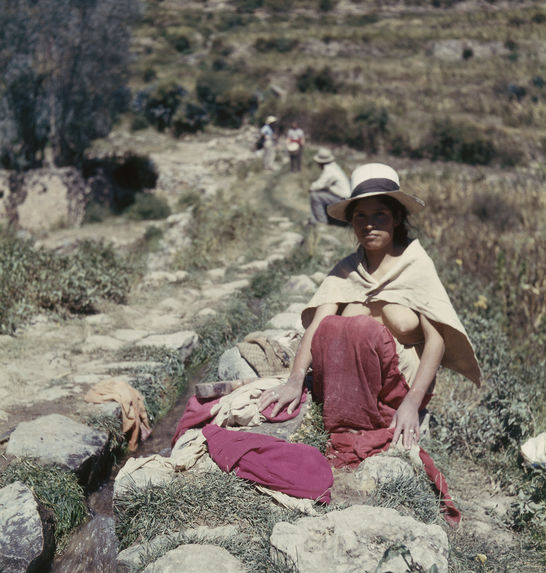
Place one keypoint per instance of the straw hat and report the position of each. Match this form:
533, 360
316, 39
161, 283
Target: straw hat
270, 119
374, 179
324, 156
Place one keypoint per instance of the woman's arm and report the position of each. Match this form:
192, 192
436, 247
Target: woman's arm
290, 392
406, 419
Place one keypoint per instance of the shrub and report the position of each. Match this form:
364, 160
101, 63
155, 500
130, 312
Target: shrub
33, 279
330, 125
450, 141
224, 101
193, 119
139, 121
162, 102
369, 126
317, 80
180, 43
148, 207
281, 45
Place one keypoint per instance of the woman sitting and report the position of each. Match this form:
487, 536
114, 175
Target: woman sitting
377, 329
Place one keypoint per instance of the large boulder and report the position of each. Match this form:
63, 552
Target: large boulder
26, 531
58, 440
360, 538
42, 199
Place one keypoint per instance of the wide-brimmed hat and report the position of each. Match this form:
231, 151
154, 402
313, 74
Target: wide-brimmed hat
374, 179
324, 155
270, 119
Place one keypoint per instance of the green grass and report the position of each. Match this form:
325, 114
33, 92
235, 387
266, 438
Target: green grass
186, 502
56, 488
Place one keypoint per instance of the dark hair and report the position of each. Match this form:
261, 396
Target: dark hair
398, 210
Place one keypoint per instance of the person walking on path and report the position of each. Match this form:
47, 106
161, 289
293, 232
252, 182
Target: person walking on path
332, 186
269, 138
295, 139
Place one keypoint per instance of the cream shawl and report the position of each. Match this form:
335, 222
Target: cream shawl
413, 282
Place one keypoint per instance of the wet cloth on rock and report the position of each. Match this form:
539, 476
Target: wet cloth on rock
295, 469
414, 283
133, 411
239, 408
357, 379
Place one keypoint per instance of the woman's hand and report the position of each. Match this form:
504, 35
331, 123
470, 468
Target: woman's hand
283, 394
406, 423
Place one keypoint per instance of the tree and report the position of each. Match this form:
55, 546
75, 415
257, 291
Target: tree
63, 72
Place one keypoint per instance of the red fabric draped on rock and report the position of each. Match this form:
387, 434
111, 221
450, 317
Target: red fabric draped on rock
356, 377
295, 469
197, 413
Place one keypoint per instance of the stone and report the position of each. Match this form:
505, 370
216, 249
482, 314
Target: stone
56, 439
355, 539
44, 199
183, 341
232, 366
216, 291
286, 321
97, 342
300, 284
129, 335
130, 558
382, 469
318, 277
92, 547
194, 558
26, 531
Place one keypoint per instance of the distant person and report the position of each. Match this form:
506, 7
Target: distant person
269, 138
332, 186
295, 139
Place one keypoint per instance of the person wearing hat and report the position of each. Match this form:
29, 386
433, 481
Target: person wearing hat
332, 186
376, 331
268, 134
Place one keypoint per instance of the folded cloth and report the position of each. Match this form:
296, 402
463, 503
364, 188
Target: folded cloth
533, 451
238, 408
133, 411
295, 469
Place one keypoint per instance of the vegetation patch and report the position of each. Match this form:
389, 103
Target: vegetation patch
56, 488
191, 501
34, 279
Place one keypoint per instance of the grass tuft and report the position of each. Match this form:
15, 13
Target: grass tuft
56, 488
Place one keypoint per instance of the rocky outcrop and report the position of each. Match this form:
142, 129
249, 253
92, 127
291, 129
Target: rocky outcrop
359, 539
58, 440
26, 531
42, 199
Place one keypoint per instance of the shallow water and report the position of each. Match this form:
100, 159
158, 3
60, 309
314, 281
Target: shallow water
93, 547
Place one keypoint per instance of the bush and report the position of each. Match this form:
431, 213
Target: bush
369, 127
330, 125
281, 45
317, 80
33, 279
450, 141
162, 102
193, 119
224, 101
148, 207
180, 43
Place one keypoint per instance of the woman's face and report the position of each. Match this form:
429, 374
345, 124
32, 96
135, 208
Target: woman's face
373, 223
